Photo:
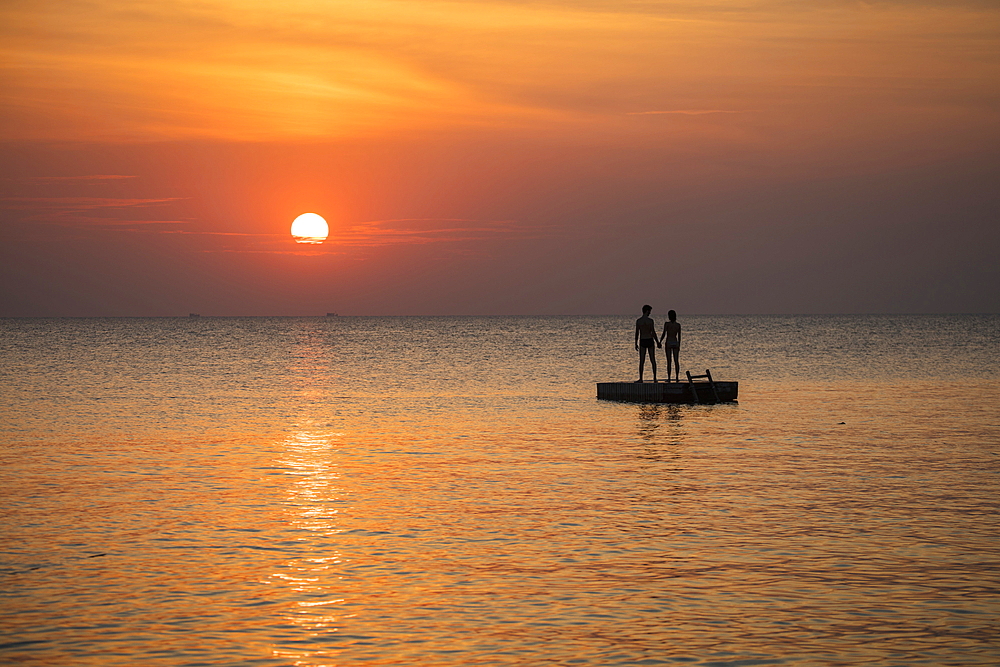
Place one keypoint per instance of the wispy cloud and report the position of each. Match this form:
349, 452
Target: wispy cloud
303, 69
56, 179
688, 112
77, 203
425, 230
87, 211
454, 232
118, 216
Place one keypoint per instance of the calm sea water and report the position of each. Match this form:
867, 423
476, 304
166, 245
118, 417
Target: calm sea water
448, 491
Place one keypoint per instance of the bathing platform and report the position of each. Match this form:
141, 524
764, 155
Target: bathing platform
696, 389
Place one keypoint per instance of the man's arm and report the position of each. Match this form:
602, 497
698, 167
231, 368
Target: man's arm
637, 334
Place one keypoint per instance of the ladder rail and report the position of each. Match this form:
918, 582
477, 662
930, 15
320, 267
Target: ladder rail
710, 383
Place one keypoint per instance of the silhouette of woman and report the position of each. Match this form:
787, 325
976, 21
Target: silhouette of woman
671, 339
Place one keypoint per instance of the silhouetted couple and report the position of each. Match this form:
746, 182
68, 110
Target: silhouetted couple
646, 341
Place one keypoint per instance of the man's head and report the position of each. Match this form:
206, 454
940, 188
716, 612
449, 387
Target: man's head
646, 310
672, 315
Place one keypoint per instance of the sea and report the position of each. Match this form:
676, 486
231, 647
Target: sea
444, 491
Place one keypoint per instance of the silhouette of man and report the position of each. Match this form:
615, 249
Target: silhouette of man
671, 340
645, 340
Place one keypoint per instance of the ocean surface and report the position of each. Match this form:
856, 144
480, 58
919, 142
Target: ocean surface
449, 491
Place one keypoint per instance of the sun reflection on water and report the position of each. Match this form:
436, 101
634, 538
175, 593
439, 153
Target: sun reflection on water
314, 503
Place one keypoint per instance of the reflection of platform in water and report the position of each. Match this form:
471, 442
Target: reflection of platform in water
691, 391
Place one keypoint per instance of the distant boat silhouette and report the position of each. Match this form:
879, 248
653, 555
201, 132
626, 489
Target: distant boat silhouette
332, 315
193, 315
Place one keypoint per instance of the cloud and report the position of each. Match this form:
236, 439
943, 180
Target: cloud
222, 69
117, 215
687, 112
77, 203
428, 230
85, 211
54, 179
457, 232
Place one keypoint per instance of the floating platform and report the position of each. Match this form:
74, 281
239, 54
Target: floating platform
669, 392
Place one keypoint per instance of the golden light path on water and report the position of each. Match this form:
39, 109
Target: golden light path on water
314, 503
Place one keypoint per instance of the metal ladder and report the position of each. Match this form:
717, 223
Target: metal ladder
711, 383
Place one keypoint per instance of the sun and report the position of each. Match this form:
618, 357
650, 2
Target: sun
310, 228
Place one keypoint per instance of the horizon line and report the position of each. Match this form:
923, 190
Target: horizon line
630, 314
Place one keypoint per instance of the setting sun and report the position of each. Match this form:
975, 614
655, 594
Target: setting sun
310, 228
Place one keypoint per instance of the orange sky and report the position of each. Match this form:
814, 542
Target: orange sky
499, 157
